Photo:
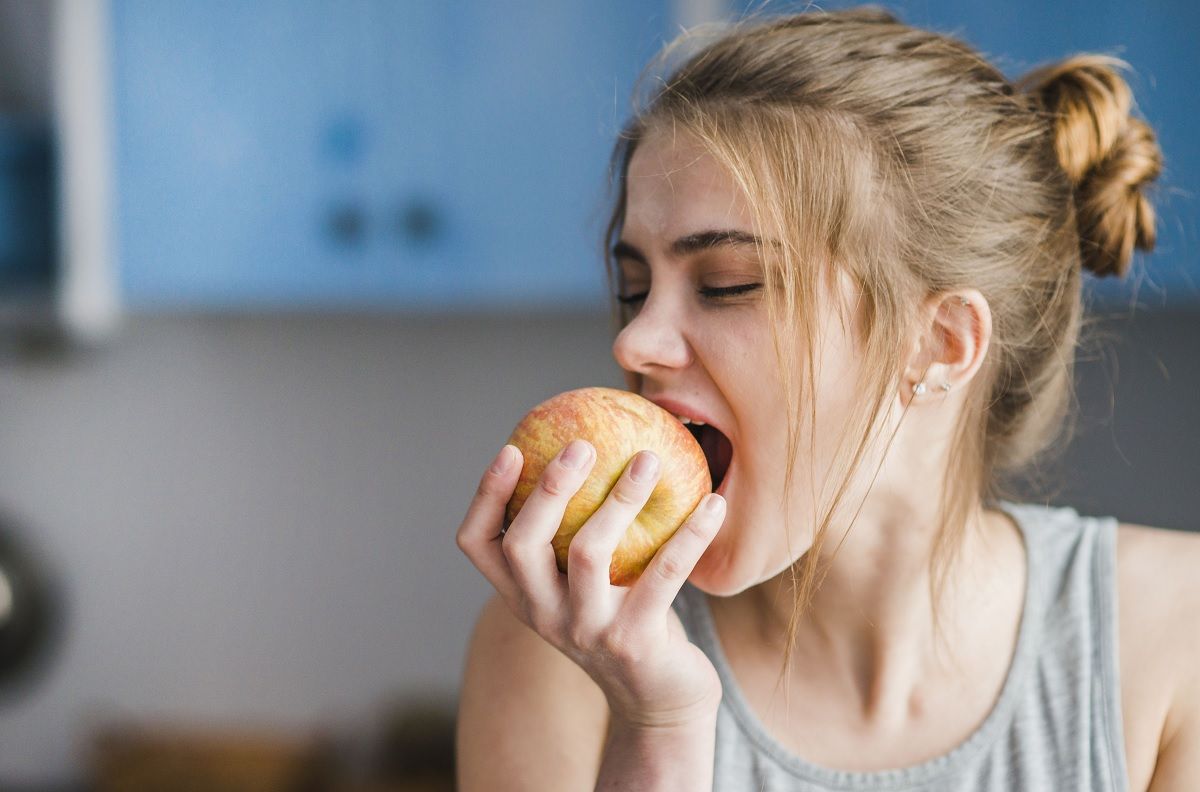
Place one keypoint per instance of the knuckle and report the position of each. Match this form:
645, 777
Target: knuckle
698, 528
513, 549
490, 487
620, 644
627, 495
553, 485
669, 567
584, 556
462, 541
581, 638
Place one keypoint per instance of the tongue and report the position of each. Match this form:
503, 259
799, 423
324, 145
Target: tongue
718, 451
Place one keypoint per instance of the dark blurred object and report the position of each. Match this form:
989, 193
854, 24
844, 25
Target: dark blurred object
27, 196
29, 613
146, 758
419, 221
415, 748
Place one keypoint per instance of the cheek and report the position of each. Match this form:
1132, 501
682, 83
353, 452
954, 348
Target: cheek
750, 371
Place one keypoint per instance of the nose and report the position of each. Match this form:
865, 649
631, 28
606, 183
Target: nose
653, 340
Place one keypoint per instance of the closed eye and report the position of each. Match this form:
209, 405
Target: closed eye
708, 293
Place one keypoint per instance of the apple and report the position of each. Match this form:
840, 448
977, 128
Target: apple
618, 424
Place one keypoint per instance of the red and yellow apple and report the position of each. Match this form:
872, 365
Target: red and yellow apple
618, 424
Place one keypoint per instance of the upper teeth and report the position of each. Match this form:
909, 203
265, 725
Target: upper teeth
686, 420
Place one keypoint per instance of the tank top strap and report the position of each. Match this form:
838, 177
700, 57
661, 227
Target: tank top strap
1078, 654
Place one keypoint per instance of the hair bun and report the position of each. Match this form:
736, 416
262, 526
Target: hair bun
1107, 154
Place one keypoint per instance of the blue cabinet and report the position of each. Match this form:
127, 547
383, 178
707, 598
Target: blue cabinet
412, 154
302, 154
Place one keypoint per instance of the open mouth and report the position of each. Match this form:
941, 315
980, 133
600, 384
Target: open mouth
718, 450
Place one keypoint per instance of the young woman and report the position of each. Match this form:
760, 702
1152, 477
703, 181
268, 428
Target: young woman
854, 249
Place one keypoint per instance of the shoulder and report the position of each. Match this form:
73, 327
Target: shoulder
528, 717
1157, 575
1159, 596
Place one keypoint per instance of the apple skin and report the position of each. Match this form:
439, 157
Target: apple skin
618, 424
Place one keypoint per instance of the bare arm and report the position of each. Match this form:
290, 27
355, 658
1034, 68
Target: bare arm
1162, 603
530, 719
1176, 559
1178, 767
656, 758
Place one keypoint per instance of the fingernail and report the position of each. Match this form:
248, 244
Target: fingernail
575, 455
714, 504
502, 461
644, 466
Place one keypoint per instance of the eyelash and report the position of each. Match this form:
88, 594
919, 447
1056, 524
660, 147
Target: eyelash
714, 293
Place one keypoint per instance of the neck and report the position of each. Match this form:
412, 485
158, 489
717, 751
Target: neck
870, 629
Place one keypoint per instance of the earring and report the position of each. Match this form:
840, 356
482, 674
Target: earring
919, 389
946, 386
964, 301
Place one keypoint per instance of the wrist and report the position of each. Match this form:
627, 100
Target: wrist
700, 714
702, 719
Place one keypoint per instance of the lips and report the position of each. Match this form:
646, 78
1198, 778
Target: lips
718, 448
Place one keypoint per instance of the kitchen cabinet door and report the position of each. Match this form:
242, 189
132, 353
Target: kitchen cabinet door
243, 148
312, 154
534, 95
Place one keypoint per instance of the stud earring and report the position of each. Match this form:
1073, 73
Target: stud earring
964, 301
946, 386
919, 389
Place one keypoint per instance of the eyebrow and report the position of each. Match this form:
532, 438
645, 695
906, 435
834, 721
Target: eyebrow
692, 243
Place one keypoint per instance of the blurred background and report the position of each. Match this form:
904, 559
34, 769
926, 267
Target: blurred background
278, 278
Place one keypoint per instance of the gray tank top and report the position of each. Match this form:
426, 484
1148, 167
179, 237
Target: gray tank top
1056, 724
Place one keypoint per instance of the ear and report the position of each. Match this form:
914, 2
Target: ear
956, 328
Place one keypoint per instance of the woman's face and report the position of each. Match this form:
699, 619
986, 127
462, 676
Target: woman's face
715, 354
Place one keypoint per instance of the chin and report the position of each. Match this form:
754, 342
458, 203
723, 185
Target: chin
718, 586
719, 581
726, 569
714, 576
716, 573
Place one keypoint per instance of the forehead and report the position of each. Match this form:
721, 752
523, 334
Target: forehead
674, 187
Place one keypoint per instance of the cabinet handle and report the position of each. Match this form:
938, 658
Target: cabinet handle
346, 224
418, 221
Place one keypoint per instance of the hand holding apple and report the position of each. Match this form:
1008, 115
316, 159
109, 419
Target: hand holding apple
629, 640
618, 424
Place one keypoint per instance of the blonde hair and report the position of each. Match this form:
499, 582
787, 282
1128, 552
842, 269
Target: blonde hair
902, 158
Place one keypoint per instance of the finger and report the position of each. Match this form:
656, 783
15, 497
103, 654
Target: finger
589, 558
527, 543
654, 591
479, 535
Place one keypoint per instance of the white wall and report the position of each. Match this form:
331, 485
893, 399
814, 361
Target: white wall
255, 519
